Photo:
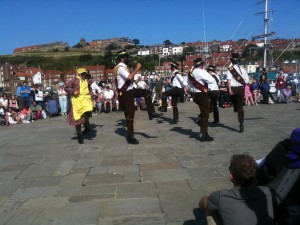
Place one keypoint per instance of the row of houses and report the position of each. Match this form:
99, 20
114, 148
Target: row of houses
11, 75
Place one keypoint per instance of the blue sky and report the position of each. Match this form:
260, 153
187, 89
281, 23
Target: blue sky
31, 22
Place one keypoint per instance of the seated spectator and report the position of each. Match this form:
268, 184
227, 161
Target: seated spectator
244, 203
36, 111
108, 95
13, 103
52, 107
255, 91
224, 98
265, 91
25, 115
285, 95
4, 101
2, 114
11, 116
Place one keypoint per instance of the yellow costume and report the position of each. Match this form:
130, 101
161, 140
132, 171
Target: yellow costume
83, 102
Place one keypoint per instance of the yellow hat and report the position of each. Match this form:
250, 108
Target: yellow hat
81, 70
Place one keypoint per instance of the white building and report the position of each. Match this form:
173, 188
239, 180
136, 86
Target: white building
144, 52
177, 50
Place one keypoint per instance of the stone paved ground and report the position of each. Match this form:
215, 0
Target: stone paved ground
46, 178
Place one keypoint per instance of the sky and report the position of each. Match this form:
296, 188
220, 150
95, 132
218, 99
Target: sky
32, 22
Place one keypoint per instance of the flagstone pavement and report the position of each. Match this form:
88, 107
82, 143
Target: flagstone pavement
47, 178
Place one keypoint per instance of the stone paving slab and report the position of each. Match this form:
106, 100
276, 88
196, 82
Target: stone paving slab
52, 180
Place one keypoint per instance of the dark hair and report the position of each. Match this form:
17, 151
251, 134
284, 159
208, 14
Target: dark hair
243, 169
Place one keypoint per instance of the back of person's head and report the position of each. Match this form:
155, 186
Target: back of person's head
243, 169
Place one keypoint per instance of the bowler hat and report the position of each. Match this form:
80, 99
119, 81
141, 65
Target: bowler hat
235, 58
122, 53
198, 62
175, 64
211, 68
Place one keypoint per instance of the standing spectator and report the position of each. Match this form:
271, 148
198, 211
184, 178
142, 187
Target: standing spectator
280, 83
244, 203
25, 94
63, 98
81, 103
237, 77
39, 96
13, 103
248, 95
158, 88
285, 95
18, 94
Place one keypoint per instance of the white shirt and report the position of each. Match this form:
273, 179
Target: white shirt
178, 81
95, 88
108, 94
241, 70
214, 86
122, 75
39, 96
203, 77
141, 84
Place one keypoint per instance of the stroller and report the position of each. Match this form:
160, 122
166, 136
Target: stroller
280, 171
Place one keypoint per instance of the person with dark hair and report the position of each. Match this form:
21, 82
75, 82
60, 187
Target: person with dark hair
81, 107
178, 90
237, 78
245, 203
126, 93
265, 91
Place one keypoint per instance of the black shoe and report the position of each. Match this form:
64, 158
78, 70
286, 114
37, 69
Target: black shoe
216, 121
205, 137
173, 121
241, 127
132, 140
154, 115
162, 110
80, 138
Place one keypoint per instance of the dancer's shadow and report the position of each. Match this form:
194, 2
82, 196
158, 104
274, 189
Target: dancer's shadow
91, 134
122, 132
200, 218
163, 119
221, 125
187, 132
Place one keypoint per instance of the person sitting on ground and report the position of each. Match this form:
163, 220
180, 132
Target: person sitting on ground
25, 115
52, 107
108, 95
13, 103
245, 203
11, 116
36, 111
265, 91
255, 91
285, 95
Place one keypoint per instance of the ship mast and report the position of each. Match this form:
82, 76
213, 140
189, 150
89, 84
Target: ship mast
266, 34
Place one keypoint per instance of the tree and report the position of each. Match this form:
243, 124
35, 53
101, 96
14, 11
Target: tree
167, 43
136, 42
